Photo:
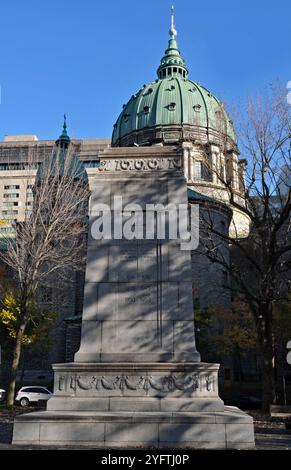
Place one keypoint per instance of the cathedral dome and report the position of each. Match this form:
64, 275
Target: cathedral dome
168, 110
172, 108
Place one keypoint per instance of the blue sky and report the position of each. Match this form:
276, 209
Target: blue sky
86, 58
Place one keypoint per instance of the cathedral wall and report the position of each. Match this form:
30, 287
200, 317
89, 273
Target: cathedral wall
210, 280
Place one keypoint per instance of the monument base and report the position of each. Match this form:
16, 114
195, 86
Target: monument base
230, 429
160, 405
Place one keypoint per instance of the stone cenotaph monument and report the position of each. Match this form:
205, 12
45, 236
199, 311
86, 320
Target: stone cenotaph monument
137, 379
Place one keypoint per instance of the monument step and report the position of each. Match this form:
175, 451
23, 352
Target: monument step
229, 429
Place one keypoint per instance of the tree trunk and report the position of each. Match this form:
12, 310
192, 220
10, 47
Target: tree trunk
22, 366
267, 356
15, 364
268, 379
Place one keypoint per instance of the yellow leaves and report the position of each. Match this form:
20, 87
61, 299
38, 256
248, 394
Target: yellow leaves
38, 322
9, 314
28, 339
7, 317
10, 305
10, 310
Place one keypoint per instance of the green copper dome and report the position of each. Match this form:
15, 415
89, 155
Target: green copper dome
172, 108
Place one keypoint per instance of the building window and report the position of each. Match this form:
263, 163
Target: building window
29, 194
11, 195
9, 212
9, 221
29, 203
30, 186
172, 106
18, 166
7, 230
197, 108
10, 204
12, 186
198, 170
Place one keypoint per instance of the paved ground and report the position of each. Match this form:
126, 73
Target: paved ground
269, 435
273, 439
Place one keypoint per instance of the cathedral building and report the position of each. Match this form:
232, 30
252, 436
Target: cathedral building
170, 114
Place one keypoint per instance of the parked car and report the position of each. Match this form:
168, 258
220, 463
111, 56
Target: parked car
2, 394
27, 395
245, 402
288, 423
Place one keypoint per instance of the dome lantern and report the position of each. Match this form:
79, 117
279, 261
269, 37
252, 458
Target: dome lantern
172, 64
64, 140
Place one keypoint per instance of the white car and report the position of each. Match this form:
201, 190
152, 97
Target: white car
2, 394
27, 395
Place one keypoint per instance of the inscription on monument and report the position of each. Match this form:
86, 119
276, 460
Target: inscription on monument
145, 164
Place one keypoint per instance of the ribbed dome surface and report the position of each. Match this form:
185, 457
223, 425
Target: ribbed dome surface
176, 101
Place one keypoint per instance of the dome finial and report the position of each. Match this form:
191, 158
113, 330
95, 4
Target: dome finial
65, 123
172, 64
173, 32
64, 139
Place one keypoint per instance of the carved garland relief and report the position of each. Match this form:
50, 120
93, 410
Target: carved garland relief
168, 383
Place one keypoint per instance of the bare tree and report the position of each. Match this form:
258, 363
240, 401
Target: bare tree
50, 239
259, 267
